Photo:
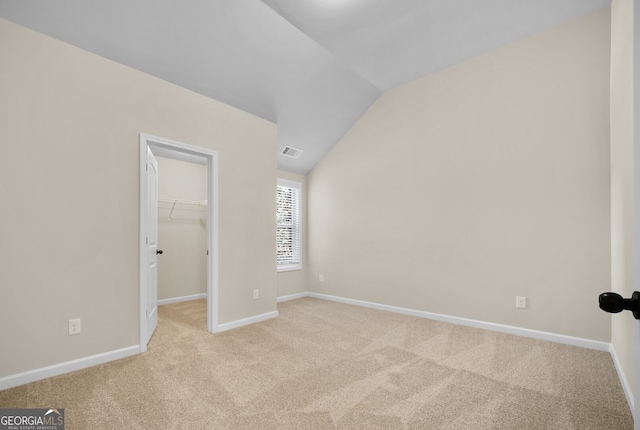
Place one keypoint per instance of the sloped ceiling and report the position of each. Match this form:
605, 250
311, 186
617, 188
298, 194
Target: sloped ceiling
311, 66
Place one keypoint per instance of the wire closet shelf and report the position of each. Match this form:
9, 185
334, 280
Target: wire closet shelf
175, 202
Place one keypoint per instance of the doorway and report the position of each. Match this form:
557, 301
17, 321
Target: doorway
182, 232
157, 146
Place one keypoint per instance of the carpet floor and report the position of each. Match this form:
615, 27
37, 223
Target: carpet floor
326, 365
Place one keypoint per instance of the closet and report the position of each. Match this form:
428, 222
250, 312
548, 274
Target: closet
182, 230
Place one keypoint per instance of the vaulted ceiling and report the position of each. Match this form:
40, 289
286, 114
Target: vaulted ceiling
311, 66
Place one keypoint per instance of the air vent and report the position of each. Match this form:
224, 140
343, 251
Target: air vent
290, 151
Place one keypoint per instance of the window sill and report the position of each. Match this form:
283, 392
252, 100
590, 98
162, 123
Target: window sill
289, 268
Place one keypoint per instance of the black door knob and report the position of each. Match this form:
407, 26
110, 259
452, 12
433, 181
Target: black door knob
159, 251
614, 303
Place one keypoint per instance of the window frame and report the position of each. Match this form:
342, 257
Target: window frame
297, 232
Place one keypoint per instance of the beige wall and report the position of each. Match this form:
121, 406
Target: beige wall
69, 125
295, 281
622, 176
457, 192
182, 268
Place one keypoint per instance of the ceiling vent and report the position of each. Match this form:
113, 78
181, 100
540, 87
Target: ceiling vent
290, 151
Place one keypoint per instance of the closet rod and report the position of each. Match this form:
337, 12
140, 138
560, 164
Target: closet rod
184, 202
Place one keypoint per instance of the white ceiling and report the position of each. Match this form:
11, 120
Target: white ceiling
311, 66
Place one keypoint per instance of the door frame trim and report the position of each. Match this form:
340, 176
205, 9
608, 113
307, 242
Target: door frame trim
181, 151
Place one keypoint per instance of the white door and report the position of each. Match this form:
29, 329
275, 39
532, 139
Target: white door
636, 205
152, 245
636, 369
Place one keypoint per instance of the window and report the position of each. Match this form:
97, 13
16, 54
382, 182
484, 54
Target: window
288, 237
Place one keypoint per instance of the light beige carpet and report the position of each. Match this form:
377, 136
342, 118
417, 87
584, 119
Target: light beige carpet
325, 365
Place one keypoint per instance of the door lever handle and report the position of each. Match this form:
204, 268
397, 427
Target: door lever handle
159, 251
614, 303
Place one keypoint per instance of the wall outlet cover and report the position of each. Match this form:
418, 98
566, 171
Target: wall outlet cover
74, 326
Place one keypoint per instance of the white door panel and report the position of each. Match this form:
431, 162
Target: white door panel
152, 245
636, 388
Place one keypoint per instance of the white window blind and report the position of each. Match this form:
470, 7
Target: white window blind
288, 218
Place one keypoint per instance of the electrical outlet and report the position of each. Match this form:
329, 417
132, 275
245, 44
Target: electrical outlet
256, 294
74, 326
521, 302
321, 278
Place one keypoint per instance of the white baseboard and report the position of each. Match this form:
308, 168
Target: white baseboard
182, 299
292, 297
626, 387
552, 337
245, 321
66, 367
